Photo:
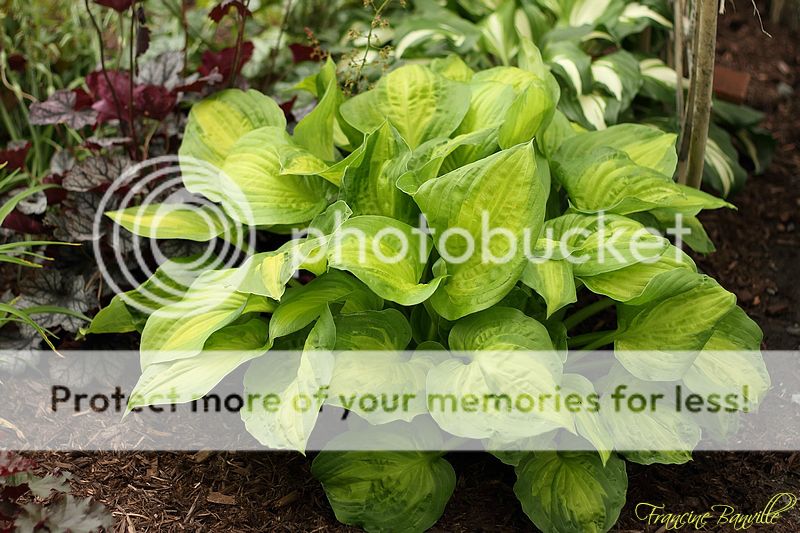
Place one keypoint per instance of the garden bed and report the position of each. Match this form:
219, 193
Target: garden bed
758, 253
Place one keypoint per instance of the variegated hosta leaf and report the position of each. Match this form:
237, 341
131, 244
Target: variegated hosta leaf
731, 360
619, 74
571, 64
387, 255
571, 491
419, 103
186, 380
502, 191
281, 424
373, 377
652, 436
558, 131
632, 281
588, 422
180, 330
302, 305
369, 187
503, 355
268, 273
722, 169
609, 180
645, 145
258, 194
403, 491
217, 122
660, 340
319, 130
554, 281
174, 221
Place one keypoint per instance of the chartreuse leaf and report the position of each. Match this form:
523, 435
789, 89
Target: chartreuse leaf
503, 361
609, 180
571, 492
559, 130
657, 434
268, 273
387, 255
731, 360
258, 194
173, 221
554, 281
279, 378
113, 318
502, 191
670, 330
397, 491
317, 131
453, 68
632, 281
588, 422
302, 305
373, 377
181, 329
368, 186
421, 104
645, 145
186, 380
214, 126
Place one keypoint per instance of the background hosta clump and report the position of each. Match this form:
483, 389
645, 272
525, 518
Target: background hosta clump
463, 149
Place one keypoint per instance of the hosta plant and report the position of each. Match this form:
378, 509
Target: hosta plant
464, 150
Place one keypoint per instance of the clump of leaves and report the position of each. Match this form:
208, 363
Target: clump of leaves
455, 146
30, 502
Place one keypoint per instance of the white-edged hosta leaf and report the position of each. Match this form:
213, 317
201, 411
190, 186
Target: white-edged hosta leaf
571, 492
387, 255
284, 377
186, 380
619, 74
419, 103
571, 64
399, 491
504, 191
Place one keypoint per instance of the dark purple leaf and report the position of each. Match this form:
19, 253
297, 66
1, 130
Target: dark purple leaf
95, 172
154, 101
109, 90
224, 59
303, 52
55, 195
196, 83
221, 9
22, 223
11, 463
14, 155
142, 40
116, 5
287, 107
17, 62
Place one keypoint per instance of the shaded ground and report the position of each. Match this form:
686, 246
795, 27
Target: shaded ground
757, 258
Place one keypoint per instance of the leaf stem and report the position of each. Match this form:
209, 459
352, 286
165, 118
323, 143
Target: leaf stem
587, 312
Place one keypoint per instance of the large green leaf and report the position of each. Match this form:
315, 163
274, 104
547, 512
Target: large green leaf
317, 131
369, 188
373, 377
186, 380
174, 221
646, 146
609, 180
289, 387
402, 491
387, 255
571, 492
554, 281
421, 104
506, 192
660, 340
257, 193
217, 122
302, 305
503, 361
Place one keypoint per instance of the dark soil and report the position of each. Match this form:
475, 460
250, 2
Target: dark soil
758, 252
